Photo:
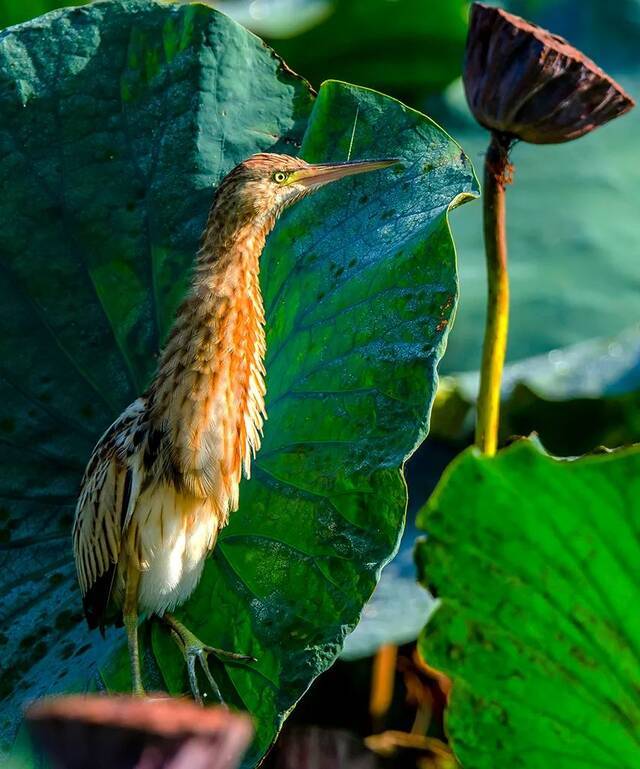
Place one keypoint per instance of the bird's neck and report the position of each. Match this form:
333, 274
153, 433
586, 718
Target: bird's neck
209, 391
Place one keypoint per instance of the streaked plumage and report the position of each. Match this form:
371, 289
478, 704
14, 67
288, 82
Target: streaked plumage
164, 478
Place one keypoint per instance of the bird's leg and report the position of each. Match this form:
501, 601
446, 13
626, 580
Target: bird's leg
193, 649
130, 619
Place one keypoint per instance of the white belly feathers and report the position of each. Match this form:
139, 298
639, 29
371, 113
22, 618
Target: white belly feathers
168, 539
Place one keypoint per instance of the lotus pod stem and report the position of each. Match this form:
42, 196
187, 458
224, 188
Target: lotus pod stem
497, 175
522, 83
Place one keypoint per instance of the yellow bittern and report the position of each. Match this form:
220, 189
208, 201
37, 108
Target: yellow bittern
164, 477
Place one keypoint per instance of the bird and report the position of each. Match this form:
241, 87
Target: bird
163, 479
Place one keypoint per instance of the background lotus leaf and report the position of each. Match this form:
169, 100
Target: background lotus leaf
534, 562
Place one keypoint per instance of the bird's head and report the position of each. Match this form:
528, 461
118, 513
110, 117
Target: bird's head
263, 185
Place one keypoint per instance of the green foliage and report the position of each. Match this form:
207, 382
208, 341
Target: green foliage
535, 564
407, 48
118, 121
16, 11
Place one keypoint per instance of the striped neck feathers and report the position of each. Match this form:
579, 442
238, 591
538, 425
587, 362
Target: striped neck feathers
208, 395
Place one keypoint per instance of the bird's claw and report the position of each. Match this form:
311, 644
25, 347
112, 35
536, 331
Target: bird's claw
229, 655
195, 651
200, 654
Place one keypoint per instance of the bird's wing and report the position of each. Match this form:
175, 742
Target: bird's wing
108, 495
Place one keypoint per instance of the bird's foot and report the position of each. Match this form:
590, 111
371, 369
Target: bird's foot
131, 625
195, 651
137, 690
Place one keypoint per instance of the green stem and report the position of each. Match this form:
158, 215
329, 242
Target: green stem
496, 177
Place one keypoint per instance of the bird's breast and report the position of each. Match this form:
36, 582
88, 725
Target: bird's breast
169, 537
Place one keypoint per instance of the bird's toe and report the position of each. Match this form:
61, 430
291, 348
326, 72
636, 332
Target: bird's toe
202, 655
190, 659
230, 655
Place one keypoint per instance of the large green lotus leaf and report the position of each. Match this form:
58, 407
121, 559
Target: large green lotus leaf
118, 121
398, 608
535, 562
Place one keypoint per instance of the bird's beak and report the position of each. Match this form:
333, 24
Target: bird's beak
323, 173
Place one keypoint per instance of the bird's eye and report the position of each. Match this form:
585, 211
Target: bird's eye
279, 177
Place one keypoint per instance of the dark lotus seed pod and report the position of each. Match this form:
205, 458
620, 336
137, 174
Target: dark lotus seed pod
122, 732
524, 82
